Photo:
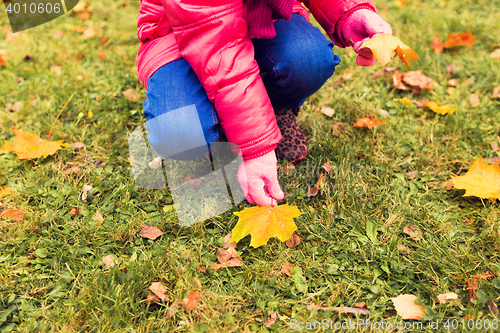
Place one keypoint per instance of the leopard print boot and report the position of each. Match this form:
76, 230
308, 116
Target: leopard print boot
293, 147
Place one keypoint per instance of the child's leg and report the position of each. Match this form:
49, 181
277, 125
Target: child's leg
297, 63
181, 120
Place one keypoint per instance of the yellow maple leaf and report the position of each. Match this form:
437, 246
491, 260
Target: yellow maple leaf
383, 47
265, 222
443, 109
482, 180
29, 146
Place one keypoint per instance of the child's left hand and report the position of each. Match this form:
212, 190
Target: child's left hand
361, 25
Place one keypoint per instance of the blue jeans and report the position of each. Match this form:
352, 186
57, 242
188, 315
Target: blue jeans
181, 120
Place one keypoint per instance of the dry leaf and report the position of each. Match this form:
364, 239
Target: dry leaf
383, 46
495, 54
191, 301
418, 80
265, 222
235, 262
338, 128
109, 261
444, 297
102, 55
482, 180
361, 305
74, 169
450, 68
496, 92
104, 40
329, 112
74, 211
468, 81
453, 82
131, 95
312, 191
155, 163
3, 59
414, 232
412, 174
397, 81
406, 307
98, 216
151, 232
340, 309
88, 32
494, 146
450, 91
437, 45
55, 68
198, 283
159, 290
269, 321
4, 191
173, 309
227, 242
403, 249
460, 39
492, 306
14, 215
369, 122
78, 145
443, 109
383, 113
328, 167
29, 146
85, 193
285, 269
201, 268
223, 256
293, 242
152, 298
474, 100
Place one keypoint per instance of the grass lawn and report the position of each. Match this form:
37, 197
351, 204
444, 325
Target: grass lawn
52, 278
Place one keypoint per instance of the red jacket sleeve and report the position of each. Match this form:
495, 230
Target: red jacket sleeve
213, 37
331, 15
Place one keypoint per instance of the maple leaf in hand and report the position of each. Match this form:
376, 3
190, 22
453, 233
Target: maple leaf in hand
265, 222
383, 47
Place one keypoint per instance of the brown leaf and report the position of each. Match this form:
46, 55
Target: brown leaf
191, 301
338, 128
131, 95
159, 290
445, 297
421, 103
329, 112
151, 232
109, 261
28, 57
293, 242
14, 215
494, 160
102, 55
397, 81
85, 193
414, 232
74, 211
437, 45
269, 321
285, 269
418, 80
224, 256
327, 166
494, 146
74, 169
412, 174
198, 283
406, 307
403, 249
201, 268
340, 309
361, 305
152, 298
474, 100
453, 82
55, 68
312, 191
227, 241
450, 68
104, 40
80, 56
460, 39
78, 145
98, 216
173, 309
235, 262
492, 306
496, 92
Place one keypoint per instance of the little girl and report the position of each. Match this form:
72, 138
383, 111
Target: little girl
244, 67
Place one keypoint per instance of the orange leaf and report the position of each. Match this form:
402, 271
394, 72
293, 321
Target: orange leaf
293, 242
384, 46
369, 122
4, 191
159, 290
151, 232
14, 214
29, 146
262, 223
437, 45
460, 39
191, 301
482, 180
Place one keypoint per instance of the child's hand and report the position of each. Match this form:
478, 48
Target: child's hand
361, 25
254, 174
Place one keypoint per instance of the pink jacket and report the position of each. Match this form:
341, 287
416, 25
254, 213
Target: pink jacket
212, 35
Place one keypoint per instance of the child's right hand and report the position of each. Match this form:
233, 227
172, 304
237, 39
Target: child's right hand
253, 174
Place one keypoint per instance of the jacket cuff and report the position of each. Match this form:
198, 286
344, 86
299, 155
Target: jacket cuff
338, 38
260, 153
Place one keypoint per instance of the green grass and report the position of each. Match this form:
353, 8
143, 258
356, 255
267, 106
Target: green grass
348, 252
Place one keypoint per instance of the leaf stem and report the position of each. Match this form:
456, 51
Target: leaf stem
48, 136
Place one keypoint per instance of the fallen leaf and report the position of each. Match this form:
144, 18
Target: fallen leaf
173, 309
406, 307
369, 122
201, 268
293, 242
191, 301
397, 82
404, 100
14, 215
492, 307
414, 232
493, 160
496, 92
224, 256
85, 193
198, 283
450, 68
421, 102
55, 68
30, 146
152, 298
131, 95
468, 81
265, 222
327, 166
159, 290
290, 167
155, 163
338, 128
3, 59
88, 32
74, 211
450, 91
460, 39
102, 55
4, 191
494, 146
227, 242
418, 80
474, 100
437, 45
444, 297
285, 269
269, 321
98, 216
384, 46
403, 249
151, 232
80, 56
495, 54
401, 3
361, 305
109, 261
74, 169
312, 191
443, 109
329, 112
235, 262
78, 145
383, 113
453, 82
104, 40
339, 309
412, 174
482, 180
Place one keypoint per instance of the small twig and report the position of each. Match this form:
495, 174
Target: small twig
48, 136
